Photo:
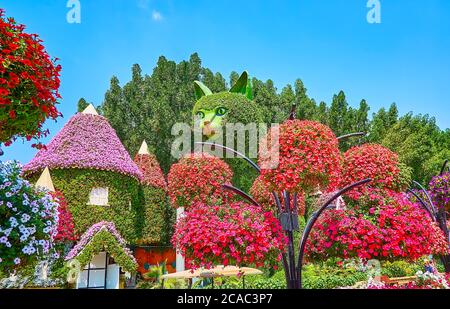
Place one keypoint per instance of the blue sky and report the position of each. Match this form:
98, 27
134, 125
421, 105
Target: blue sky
328, 44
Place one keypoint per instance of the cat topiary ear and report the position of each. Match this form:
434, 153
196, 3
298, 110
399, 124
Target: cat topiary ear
201, 90
249, 90
241, 84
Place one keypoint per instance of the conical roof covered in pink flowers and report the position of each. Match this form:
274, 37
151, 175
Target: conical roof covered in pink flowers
152, 174
87, 141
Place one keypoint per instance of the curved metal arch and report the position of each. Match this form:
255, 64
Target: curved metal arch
423, 204
351, 135
427, 195
242, 194
230, 150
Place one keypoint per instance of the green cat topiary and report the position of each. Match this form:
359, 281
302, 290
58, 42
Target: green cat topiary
212, 112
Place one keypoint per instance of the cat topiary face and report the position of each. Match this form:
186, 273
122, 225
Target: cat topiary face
213, 111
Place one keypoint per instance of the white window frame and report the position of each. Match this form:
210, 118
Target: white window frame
97, 196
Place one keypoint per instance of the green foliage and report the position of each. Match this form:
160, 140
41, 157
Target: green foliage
414, 138
158, 218
399, 269
319, 276
82, 105
104, 241
125, 204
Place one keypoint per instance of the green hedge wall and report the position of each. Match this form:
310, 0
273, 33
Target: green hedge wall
158, 217
125, 201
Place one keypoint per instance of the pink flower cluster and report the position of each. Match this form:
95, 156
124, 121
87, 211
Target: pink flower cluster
377, 227
233, 234
152, 174
91, 232
86, 142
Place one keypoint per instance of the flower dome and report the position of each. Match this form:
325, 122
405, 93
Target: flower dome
87, 141
152, 174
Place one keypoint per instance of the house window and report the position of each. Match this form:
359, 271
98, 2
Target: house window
99, 197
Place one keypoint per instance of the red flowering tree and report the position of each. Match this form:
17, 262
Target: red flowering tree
309, 157
264, 197
377, 227
66, 229
198, 178
29, 82
372, 161
234, 234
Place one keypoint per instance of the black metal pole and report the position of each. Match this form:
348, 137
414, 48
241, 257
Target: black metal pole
351, 135
242, 194
427, 195
442, 169
238, 154
423, 204
313, 220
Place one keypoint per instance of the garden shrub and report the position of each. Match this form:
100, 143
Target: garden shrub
232, 234
264, 197
309, 158
198, 177
395, 269
376, 162
319, 276
28, 219
29, 83
375, 227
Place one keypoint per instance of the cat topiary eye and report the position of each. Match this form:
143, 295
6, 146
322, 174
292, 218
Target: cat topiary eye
221, 111
200, 115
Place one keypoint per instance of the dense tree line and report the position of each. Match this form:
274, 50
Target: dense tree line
147, 106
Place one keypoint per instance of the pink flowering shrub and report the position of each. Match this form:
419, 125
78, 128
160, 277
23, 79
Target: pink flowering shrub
86, 142
152, 174
309, 157
235, 234
377, 227
264, 197
198, 177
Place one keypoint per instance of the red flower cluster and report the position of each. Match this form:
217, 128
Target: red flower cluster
29, 82
65, 232
151, 171
308, 155
264, 197
381, 228
235, 234
198, 178
371, 161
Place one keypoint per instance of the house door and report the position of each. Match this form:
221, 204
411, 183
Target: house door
100, 273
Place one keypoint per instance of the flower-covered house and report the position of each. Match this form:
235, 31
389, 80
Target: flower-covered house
91, 168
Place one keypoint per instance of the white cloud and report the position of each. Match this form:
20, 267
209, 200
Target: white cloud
157, 16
